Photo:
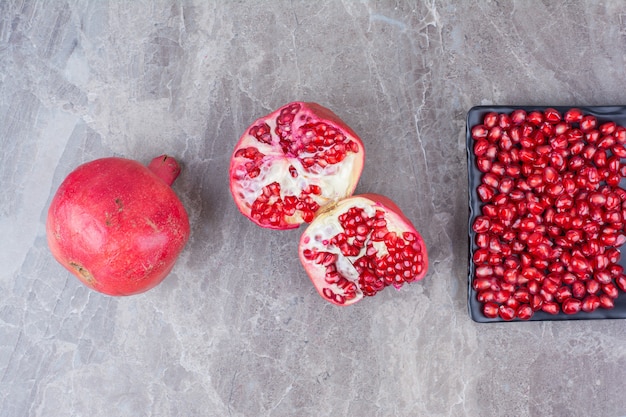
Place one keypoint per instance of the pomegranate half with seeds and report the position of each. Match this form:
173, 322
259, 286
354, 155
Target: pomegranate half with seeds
290, 163
117, 224
359, 247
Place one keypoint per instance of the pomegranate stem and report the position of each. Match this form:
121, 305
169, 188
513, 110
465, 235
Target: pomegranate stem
166, 168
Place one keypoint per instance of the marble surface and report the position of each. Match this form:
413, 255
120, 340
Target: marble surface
237, 329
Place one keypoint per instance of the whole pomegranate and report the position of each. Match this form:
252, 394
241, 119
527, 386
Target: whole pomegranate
300, 164
290, 163
360, 246
117, 225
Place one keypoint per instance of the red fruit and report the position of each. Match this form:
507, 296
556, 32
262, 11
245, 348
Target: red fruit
360, 246
117, 225
290, 163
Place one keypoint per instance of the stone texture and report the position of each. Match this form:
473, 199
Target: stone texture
237, 329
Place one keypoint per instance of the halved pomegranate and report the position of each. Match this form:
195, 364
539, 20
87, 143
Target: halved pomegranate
360, 246
290, 163
117, 225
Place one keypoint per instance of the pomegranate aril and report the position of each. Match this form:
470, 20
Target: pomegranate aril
572, 306
536, 302
490, 310
550, 307
504, 121
615, 270
524, 312
486, 296
490, 119
482, 224
506, 313
607, 142
578, 289
606, 302
610, 289
588, 123
486, 192
618, 150
620, 134
590, 303
479, 131
573, 115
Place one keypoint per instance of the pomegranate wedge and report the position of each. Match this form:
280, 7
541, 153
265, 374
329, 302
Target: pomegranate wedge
361, 246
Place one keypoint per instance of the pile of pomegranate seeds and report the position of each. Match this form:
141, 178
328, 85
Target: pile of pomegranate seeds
552, 214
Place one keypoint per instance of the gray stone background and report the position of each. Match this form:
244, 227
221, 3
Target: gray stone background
237, 329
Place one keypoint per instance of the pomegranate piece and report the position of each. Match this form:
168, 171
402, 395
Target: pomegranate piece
551, 214
292, 162
117, 225
359, 247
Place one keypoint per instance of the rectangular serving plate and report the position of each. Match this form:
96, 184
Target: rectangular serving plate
475, 116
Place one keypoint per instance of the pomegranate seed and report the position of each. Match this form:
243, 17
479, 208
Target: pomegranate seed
536, 302
563, 293
590, 303
479, 131
616, 270
572, 306
535, 118
578, 289
485, 192
573, 116
588, 123
490, 119
550, 307
606, 142
619, 150
606, 302
518, 116
482, 224
506, 313
620, 134
611, 290
524, 312
490, 310
552, 116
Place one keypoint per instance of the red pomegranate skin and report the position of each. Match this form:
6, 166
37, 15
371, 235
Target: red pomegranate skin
117, 224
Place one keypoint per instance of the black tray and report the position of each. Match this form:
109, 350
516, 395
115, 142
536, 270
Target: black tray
475, 116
